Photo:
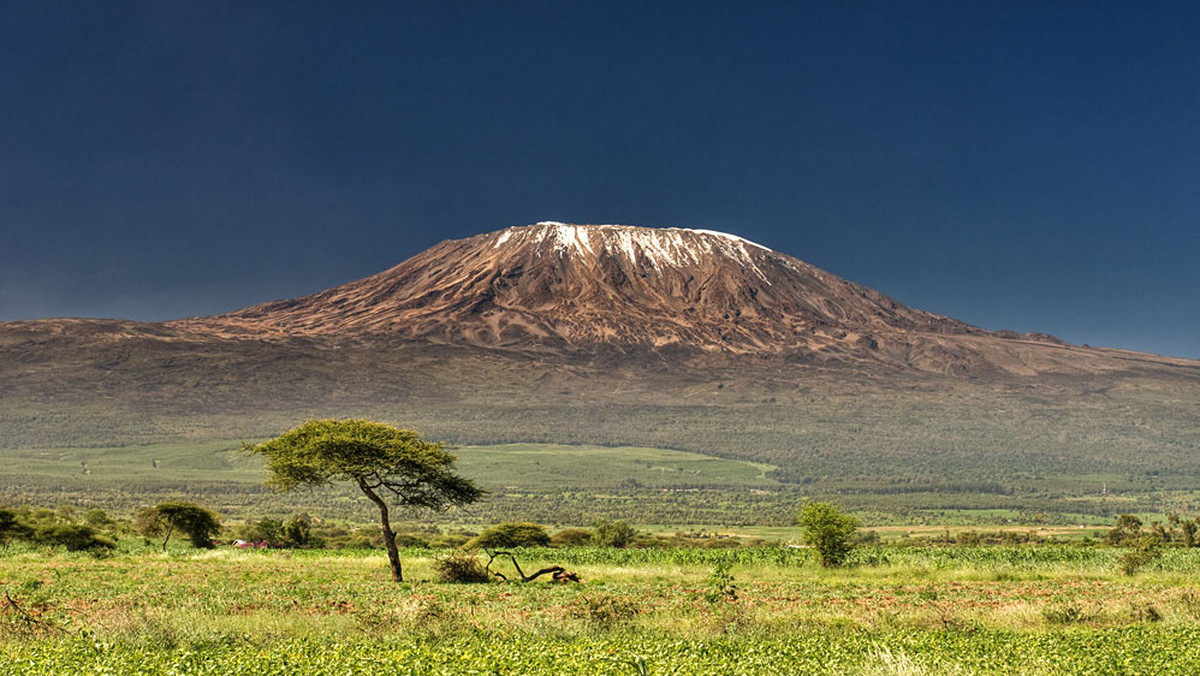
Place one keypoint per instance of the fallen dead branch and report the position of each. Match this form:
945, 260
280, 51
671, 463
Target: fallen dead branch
556, 573
27, 620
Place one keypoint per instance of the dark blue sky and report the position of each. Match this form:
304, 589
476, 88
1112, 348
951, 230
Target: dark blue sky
1023, 165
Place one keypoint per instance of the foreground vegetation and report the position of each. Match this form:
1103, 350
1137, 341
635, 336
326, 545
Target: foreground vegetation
1011, 609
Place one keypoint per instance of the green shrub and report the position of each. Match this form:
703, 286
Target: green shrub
613, 533
12, 528
571, 537
720, 585
1145, 613
76, 538
605, 610
511, 534
1146, 550
1066, 614
411, 541
829, 530
449, 540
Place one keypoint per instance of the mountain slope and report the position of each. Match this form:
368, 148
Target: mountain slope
558, 285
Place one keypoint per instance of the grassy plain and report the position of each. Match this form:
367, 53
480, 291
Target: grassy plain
961, 610
905, 447
555, 484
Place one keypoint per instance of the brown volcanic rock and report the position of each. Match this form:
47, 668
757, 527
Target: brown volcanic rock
588, 285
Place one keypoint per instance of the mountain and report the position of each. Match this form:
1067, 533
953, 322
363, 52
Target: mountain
555, 286
587, 285
582, 285
622, 336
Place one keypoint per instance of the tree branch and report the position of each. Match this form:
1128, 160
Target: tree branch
559, 574
26, 617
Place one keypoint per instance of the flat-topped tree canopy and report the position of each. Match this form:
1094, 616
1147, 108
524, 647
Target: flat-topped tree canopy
378, 457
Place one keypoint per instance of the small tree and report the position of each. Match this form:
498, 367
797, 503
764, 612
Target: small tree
828, 529
511, 534
381, 460
297, 531
1188, 527
1128, 529
269, 531
613, 533
198, 523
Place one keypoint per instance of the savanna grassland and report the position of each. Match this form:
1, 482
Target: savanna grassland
561, 484
893, 610
549, 483
1076, 443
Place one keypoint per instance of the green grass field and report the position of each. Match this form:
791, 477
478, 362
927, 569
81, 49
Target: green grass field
963, 610
554, 466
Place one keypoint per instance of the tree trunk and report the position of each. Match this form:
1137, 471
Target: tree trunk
170, 529
389, 537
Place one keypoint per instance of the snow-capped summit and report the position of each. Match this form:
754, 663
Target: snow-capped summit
561, 284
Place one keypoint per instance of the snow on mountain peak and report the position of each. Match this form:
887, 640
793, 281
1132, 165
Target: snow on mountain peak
659, 247
600, 284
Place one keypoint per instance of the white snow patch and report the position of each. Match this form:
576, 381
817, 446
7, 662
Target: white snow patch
658, 247
625, 238
726, 235
571, 237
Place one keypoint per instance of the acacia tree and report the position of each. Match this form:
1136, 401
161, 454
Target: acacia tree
198, 523
383, 461
511, 534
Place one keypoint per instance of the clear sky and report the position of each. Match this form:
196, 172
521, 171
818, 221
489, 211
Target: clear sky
1022, 165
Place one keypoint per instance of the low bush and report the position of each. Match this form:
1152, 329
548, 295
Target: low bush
1064, 614
605, 610
1146, 550
461, 568
571, 537
76, 538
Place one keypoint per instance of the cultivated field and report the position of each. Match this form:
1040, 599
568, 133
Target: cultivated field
960, 610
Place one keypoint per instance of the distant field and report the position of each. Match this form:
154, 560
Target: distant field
556, 484
556, 466
573, 482
749, 442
